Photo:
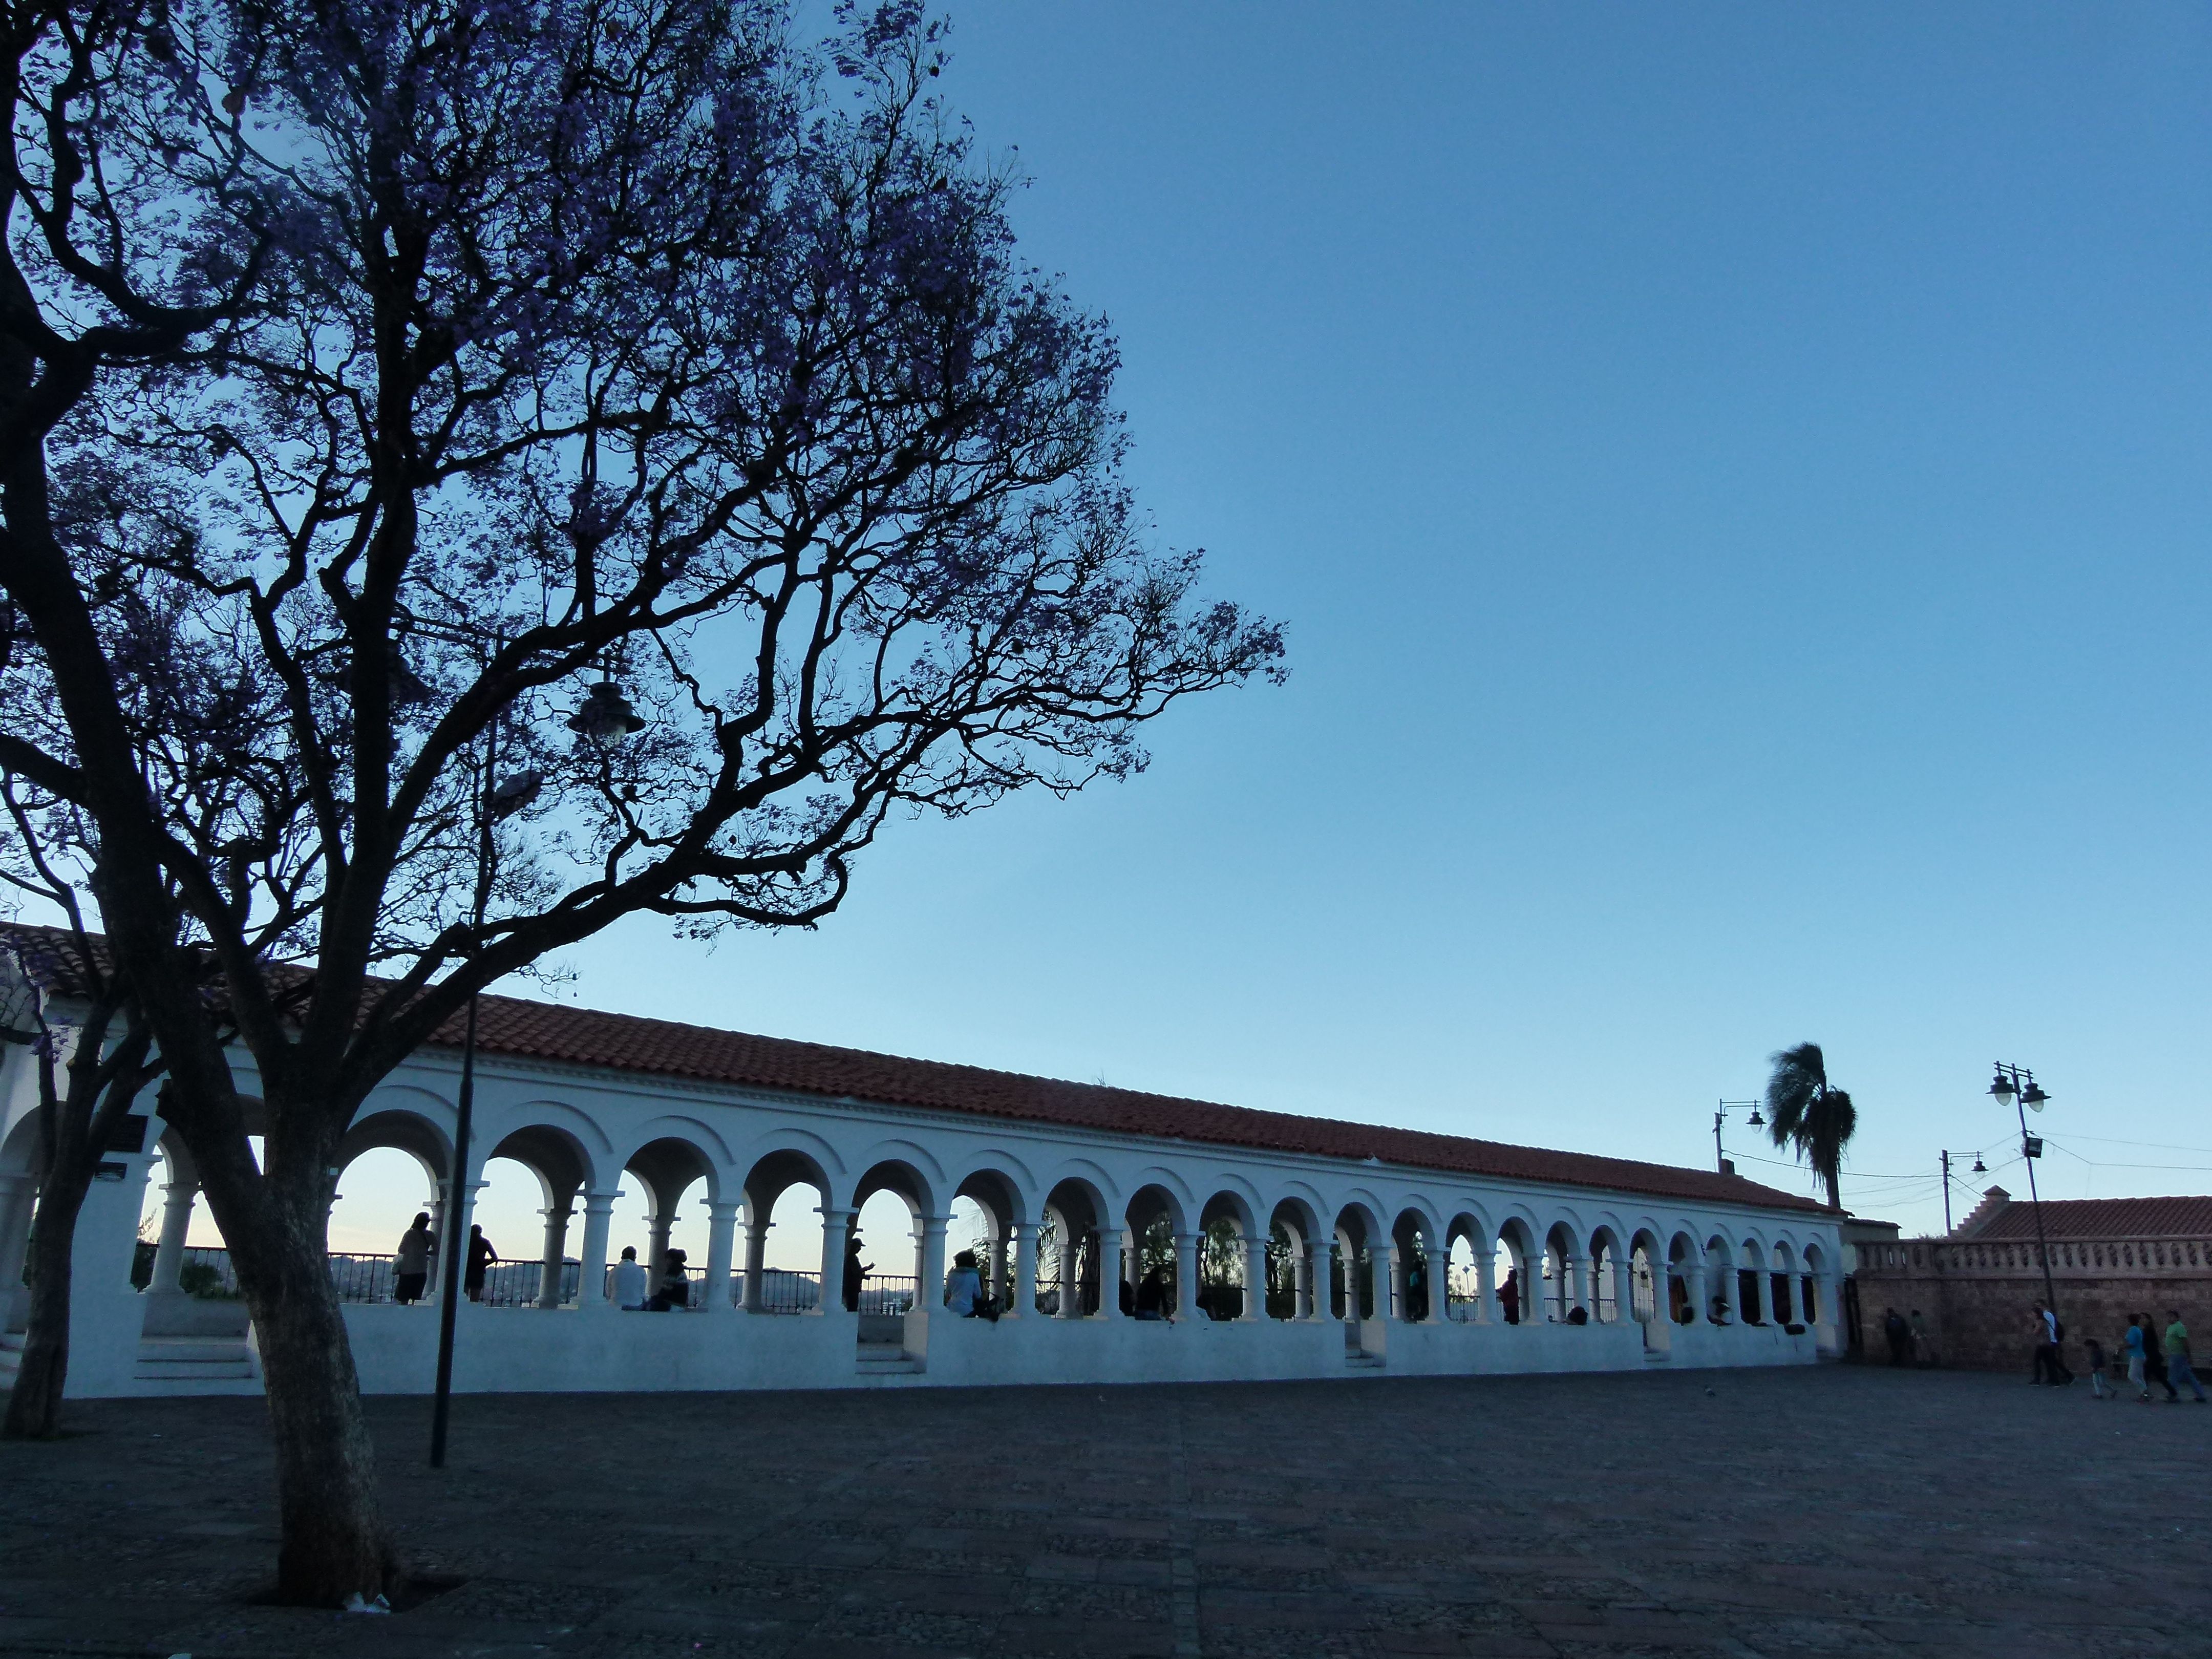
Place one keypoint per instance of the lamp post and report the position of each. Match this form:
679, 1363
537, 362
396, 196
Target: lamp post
1720, 1115
606, 715
2016, 1087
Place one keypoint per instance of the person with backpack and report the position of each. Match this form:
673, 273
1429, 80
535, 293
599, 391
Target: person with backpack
2049, 1333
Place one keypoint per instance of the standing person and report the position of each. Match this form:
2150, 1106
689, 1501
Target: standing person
629, 1279
2135, 1344
2044, 1366
410, 1266
856, 1272
2094, 1351
2154, 1361
2178, 1366
1898, 1334
1508, 1296
481, 1257
1923, 1343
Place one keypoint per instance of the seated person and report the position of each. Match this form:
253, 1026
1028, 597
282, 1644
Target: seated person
1152, 1296
1579, 1316
629, 1279
675, 1290
963, 1290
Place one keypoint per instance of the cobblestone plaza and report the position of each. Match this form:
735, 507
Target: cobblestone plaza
1835, 1510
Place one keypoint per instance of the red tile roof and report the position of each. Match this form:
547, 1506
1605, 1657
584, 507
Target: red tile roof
659, 1048
625, 1042
2100, 1218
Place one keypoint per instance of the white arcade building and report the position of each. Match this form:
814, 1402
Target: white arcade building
1275, 1246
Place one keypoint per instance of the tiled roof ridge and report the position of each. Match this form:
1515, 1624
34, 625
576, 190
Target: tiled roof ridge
647, 1045
1991, 1206
937, 1084
2119, 1219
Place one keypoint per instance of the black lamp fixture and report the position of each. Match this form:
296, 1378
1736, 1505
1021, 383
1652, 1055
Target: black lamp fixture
606, 715
2016, 1086
1980, 1168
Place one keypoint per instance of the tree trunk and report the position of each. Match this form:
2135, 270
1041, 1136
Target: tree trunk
334, 1543
34, 1408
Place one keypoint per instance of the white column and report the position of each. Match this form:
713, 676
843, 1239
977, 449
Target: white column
592, 1258
1070, 1293
436, 1287
1487, 1309
1624, 1286
1256, 1276
929, 1257
658, 1227
994, 1282
835, 1225
1439, 1259
1578, 1287
1187, 1248
757, 1260
1394, 1279
168, 1255
721, 1235
1025, 1267
556, 1240
1321, 1309
1701, 1300
1755, 1311
1301, 1282
1113, 1255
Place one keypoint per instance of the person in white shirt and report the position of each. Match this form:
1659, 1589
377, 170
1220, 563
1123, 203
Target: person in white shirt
629, 1279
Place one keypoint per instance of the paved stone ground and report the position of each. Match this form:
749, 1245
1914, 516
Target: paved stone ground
1837, 1510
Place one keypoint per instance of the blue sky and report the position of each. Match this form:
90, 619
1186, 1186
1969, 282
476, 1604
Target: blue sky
1735, 479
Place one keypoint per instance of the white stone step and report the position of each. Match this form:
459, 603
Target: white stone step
1363, 1362
192, 1359
194, 1370
886, 1362
174, 1349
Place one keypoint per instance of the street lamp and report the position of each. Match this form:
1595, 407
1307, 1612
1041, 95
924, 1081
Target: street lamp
605, 715
496, 800
2016, 1087
1720, 1115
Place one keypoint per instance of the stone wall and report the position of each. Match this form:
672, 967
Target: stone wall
1979, 1298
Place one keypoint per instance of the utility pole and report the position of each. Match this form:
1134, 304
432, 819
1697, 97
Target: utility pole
1947, 1194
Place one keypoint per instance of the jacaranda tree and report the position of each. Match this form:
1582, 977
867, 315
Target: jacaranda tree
622, 384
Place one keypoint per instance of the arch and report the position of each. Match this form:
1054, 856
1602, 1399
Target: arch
1565, 1264
403, 1127
1170, 1181
1652, 1299
1607, 1255
1414, 1239
1077, 1211
553, 1151
1011, 1182
928, 1167
893, 1174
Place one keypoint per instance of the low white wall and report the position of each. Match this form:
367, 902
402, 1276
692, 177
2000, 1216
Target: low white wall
531, 1350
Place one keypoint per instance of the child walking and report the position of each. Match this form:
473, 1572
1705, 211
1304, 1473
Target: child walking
2098, 1389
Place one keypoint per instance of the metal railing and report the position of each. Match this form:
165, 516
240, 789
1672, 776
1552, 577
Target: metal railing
887, 1293
783, 1292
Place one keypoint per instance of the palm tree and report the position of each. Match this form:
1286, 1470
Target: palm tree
1804, 1112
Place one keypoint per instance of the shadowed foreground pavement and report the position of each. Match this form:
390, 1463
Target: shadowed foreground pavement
1837, 1510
